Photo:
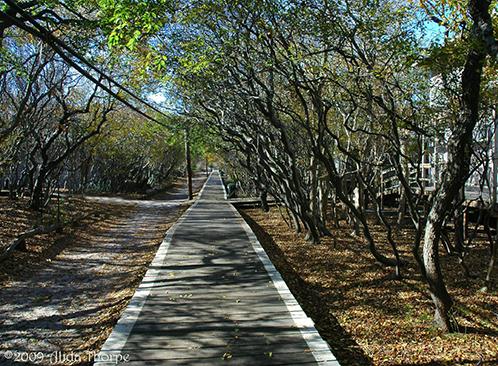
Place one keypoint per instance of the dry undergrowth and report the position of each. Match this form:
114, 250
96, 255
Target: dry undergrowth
369, 318
16, 218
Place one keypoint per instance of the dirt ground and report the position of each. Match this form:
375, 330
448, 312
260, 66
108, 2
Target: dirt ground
369, 318
65, 293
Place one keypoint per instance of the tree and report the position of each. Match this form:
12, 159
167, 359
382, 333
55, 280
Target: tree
481, 42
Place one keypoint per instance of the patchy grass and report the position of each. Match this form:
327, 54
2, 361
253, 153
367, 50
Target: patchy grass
369, 318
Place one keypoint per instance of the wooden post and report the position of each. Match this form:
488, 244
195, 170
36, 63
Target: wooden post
188, 163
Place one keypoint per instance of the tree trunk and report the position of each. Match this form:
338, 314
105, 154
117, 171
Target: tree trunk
263, 199
458, 222
323, 194
403, 193
457, 168
37, 193
313, 181
316, 198
489, 281
433, 274
357, 205
295, 222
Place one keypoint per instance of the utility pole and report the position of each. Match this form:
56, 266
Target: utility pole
188, 162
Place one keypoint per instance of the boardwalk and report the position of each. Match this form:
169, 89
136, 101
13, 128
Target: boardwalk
212, 297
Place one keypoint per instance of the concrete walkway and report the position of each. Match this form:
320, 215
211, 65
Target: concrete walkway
210, 297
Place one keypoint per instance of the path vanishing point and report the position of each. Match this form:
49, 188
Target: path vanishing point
211, 296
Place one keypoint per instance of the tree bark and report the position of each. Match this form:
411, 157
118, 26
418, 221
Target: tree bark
458, 222
20, 240
403, 193
457, 168
37, 194
489, 281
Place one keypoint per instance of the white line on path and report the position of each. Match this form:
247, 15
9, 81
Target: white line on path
117, 340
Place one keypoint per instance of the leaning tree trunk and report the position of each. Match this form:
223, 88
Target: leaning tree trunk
432, 268
459, 222
260, 185
313, 182
323, 194
36, 202
457, 168
403, 194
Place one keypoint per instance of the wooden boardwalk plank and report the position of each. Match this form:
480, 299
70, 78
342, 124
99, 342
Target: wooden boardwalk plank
267, 353
213, 337
211, 297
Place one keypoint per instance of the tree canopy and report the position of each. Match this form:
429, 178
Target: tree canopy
324, 105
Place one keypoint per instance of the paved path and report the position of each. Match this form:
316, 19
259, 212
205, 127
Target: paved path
210, 297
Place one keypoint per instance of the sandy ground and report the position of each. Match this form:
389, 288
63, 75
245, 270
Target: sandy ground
59, 302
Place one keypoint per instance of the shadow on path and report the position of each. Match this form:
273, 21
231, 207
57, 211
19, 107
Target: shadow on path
347, 351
